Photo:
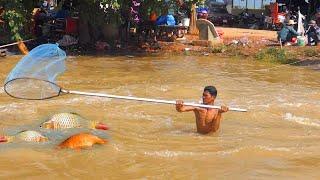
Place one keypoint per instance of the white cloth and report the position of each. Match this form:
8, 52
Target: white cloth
301, 18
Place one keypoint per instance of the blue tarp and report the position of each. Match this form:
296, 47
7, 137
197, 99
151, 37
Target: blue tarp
168, 20
202, 10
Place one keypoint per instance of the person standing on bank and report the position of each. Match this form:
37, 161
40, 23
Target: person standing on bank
207, 119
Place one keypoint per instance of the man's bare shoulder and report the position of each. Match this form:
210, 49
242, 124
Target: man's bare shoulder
199, 109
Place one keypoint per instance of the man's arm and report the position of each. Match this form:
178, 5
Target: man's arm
181, 108
294, 31
308, 30
216, 122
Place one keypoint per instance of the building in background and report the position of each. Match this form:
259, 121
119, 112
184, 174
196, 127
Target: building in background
236, 6
251, 4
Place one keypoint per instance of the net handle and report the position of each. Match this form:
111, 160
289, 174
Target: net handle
146, 100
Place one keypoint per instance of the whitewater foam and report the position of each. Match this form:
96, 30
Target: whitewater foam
170, 154
301, 120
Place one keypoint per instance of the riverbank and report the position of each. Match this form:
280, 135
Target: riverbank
237, 43
260, 45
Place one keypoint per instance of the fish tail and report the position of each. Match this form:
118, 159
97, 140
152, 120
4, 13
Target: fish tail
101, 141
3, 139
6, 139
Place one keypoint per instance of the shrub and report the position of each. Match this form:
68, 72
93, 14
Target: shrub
310, 52
218, 49
234, 51
274, 55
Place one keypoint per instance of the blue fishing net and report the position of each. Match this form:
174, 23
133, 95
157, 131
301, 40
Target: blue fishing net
34, 76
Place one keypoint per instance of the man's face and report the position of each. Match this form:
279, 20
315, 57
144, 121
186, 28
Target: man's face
207, 98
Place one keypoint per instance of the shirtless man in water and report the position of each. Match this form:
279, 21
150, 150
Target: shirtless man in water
207, 119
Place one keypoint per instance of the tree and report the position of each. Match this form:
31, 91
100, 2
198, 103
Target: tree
192, 4
95, 15
17, 16
193, 29
114, 14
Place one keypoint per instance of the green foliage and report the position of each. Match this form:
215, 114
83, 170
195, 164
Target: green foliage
151, 5
15, 21
112, 14
275, 55
234, 51
218, 49
17, 14
310, 52
91, 11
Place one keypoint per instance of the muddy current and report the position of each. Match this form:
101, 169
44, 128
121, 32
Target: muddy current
277, 138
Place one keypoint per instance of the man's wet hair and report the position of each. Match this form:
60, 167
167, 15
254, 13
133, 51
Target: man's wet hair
212, 90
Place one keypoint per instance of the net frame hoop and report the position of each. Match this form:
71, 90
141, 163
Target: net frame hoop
58, 94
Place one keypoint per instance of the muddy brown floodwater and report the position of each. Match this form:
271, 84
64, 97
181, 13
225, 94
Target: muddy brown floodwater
278, 138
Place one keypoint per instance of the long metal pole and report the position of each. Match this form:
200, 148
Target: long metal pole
15, 43
146, 100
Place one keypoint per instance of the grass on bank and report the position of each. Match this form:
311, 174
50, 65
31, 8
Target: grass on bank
311, 52
275, 55
229, 50
272, 54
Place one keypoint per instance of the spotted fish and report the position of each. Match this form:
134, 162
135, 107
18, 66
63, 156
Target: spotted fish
81, 140
71, 120
31, 136
28, 136
62, 121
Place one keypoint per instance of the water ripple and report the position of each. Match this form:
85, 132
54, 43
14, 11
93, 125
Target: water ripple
301, 120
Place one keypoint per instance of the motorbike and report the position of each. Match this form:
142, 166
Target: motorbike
250, 21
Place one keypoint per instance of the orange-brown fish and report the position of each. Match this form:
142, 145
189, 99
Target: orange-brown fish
71, 120
82, 140
29, 136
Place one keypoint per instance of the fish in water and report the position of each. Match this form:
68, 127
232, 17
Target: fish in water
71, 120
28, 136
81, 140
